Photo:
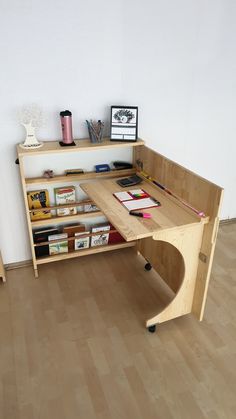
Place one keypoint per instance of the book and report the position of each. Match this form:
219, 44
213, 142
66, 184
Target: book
40, 236
71, 230
63, 196
102, 238
58, 247
74, 171
81, 242
90, 208
38, 199
115, 237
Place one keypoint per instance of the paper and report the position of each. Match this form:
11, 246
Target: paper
140, 204
136, 191
123, 196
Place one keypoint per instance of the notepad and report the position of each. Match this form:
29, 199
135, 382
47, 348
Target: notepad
138, 204
136, 199
133, 194
123, 196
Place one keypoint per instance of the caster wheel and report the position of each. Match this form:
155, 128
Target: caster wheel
152, 328
148, 266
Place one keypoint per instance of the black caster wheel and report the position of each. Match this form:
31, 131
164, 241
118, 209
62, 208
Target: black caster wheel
148, 266
152, 328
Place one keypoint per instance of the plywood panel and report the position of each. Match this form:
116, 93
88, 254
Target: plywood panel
159, 254
199, 193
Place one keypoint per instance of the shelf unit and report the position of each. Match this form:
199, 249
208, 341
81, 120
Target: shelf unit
53, 147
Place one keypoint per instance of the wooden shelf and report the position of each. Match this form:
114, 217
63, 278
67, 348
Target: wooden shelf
80, 177
55, 207
90, 251
73, 238
67, 218
51, 148
81, 145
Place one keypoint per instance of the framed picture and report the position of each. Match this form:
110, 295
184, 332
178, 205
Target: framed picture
124, 123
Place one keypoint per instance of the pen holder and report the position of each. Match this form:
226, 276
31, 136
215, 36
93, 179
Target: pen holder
95, 130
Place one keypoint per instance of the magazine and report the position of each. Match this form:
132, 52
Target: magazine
82, 242
39, 199
101, 239
64, 196
71, 230
58, 247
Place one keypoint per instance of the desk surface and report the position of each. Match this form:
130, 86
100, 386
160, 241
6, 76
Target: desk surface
171, 214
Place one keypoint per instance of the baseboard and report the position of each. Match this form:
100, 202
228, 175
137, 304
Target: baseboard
17, 265
228, 221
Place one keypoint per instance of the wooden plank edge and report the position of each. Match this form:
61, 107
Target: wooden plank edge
66, 218
82, 144
83, 176
80, 253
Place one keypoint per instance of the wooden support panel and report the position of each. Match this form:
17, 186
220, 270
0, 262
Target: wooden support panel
165, 259
199, 193
184, 244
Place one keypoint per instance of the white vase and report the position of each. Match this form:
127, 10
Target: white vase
30, 140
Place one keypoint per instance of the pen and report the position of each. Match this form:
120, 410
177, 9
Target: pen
140, 214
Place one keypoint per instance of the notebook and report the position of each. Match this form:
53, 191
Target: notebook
136, 199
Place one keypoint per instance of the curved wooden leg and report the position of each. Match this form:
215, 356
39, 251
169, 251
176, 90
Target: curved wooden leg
187, 240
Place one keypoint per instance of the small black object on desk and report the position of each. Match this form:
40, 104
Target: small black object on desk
66, 145
129, 181
120, 165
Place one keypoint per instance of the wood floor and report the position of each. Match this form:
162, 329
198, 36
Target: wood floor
73, 343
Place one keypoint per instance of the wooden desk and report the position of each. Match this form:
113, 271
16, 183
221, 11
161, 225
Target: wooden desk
176, 242
172, 223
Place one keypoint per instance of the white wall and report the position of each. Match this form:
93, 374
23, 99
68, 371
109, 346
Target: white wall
174, 59
180, 62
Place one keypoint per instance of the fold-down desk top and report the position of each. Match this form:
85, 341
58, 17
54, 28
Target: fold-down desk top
171, 214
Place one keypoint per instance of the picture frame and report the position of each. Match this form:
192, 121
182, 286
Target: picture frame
124, 123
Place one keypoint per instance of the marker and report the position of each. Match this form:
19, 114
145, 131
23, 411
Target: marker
141, 214
155, 200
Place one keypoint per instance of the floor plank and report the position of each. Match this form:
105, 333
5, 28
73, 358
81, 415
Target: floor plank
73, 343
